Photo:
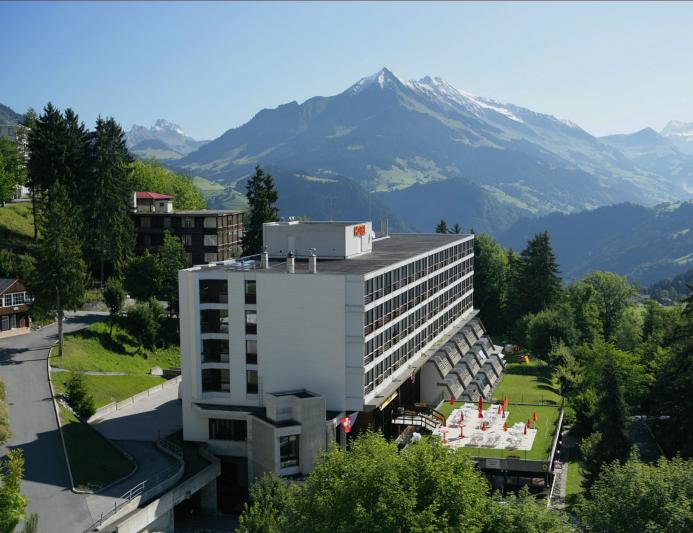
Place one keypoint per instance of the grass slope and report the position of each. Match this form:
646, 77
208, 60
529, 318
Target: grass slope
106, 389
16, 227
93, 349
531, 382
94, 461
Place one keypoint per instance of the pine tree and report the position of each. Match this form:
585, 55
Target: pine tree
262, 197
107, 198
46, 156
456, 229
61, 275
538, 284
442, 227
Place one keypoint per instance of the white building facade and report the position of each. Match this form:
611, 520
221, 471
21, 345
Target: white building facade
328, 322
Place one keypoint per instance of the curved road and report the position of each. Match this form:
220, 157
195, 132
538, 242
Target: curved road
34, 428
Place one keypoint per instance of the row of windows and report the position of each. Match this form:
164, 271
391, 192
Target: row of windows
217, 351
395, 306
15, 298
392, 362
217, 321
392, 335
216, 291
220, 429
383, 284
219, 380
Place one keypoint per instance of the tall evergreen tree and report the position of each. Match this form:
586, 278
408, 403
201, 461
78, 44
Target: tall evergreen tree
442, 227
61, 275
107, 197
46, 156
262, 197
456, 229
537, 283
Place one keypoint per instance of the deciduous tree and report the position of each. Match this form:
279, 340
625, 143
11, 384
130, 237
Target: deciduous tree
114, 296
613, 294
12, 502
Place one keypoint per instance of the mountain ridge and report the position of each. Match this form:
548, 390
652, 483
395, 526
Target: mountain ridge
164, 140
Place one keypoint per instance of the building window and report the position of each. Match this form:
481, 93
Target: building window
215, 351
186, 239
210, 222
188, 222
251, 352
145, 222
210, 240
251, 381
288, 451
214, 291
211, 257
214, 321
251, 322
216, 380
220, 429
250, 294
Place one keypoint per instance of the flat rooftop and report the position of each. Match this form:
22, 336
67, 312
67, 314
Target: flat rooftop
198, 212
386, 251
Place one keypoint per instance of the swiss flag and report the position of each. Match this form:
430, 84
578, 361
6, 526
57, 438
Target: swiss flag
348, 421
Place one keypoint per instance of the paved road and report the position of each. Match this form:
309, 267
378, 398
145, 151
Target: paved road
34, 428
146, 420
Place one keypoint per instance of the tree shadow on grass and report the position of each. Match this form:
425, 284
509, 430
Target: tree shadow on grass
115, 344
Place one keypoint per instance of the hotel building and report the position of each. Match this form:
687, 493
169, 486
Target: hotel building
328, 322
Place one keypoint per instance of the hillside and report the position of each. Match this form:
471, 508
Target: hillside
673, 289
16, 227
318, 197
646, 244
389, 135
9, 116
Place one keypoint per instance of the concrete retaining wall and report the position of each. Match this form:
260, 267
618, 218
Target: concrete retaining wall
117, 406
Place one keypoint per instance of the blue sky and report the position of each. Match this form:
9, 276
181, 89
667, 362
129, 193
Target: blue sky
211, 66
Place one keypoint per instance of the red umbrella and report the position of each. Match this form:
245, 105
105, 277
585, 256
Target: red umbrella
525, 432
481, 407
505, 426
534, 416
529, 424
483, 426
499, 409
452, 401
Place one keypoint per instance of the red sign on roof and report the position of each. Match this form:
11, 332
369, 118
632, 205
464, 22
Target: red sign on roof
152, 196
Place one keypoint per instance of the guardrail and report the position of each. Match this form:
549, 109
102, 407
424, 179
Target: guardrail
117, 406
144, 489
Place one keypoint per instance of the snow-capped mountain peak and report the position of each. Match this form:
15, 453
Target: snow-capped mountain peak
677, 128
384, 78
164, 125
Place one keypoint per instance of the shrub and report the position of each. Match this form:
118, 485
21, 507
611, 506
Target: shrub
77, 397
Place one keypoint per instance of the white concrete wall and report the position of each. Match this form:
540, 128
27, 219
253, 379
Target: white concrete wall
301, 334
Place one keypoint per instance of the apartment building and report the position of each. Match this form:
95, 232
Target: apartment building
328, 327
14, 308
207, 235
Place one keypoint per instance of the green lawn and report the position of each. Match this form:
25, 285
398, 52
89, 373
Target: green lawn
547, 420
16, 226
574, 482
93, 349
94, 461
105, 389
527, 383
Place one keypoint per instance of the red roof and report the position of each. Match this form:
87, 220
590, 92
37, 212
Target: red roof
152, 196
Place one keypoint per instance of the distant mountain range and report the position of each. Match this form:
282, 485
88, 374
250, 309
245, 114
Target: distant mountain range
645, 244
164, 140
411, 141
9, 116
681, 134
